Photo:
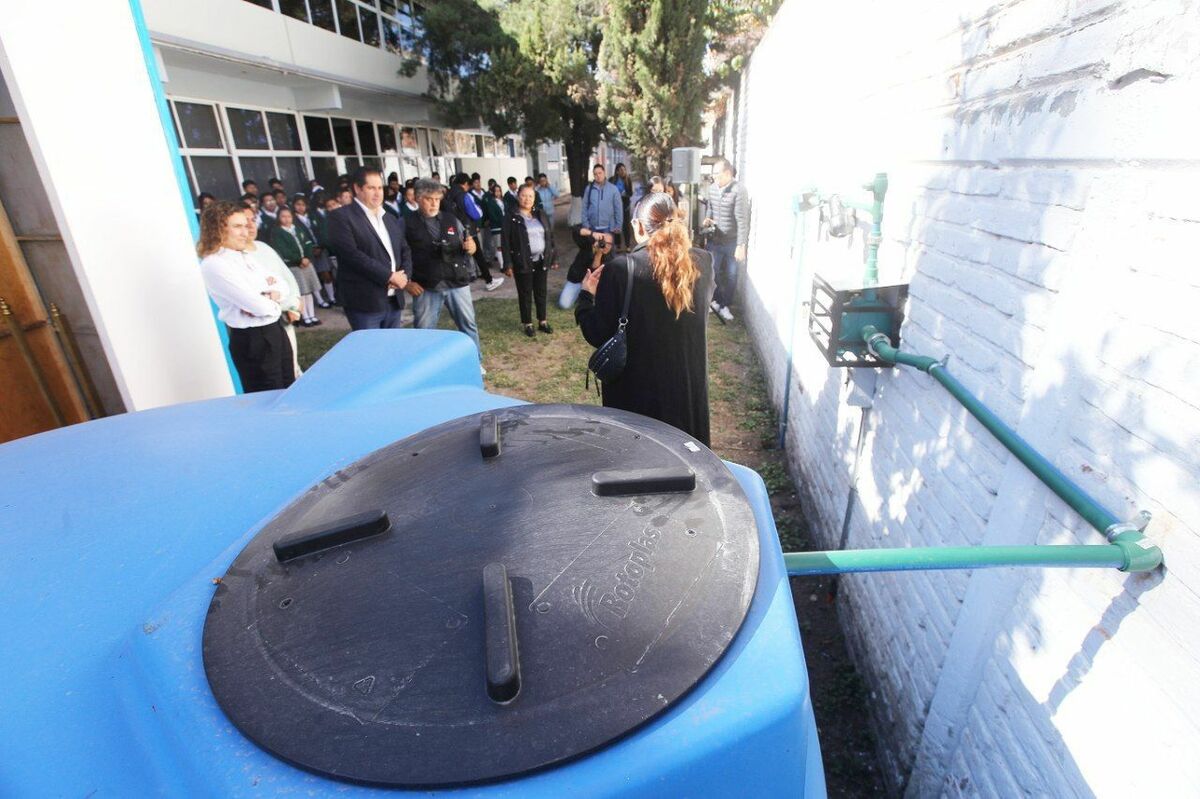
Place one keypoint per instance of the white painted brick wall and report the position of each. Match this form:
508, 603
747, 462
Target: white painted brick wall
1044, 159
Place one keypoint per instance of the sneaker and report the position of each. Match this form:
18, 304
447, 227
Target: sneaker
716, 306
494, 284
725, 314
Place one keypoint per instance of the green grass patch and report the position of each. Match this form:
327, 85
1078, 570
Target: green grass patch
545, 368
776, 478
314, 343
793, 533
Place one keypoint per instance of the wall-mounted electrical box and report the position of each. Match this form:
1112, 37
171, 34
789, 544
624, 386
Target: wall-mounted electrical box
837, 316
685, 164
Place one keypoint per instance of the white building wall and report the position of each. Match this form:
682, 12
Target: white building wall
1044, 166
197, 81
498, 169
132, 252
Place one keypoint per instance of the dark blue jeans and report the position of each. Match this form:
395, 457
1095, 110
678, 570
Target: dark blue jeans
428, 307
374, 320
725, 271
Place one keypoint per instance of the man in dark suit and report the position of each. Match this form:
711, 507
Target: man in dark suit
374, 260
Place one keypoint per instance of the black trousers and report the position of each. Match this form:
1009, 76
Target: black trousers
626, 223
531, 284
262, 357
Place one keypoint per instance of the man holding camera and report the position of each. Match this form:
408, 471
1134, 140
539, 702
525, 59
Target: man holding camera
441, 271
595, 247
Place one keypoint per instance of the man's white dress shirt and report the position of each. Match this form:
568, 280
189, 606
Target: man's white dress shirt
376, 220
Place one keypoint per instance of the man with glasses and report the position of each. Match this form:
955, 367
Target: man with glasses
441, 272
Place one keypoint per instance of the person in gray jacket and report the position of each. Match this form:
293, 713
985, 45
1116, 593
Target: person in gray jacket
602, 204
728, 223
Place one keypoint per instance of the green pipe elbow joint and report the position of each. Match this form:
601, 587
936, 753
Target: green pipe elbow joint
1138, 553
1141, 554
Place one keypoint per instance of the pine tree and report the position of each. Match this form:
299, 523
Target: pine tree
653, 84
735, 29
526, 66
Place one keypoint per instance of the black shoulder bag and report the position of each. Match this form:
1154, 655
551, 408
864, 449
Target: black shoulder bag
608, 361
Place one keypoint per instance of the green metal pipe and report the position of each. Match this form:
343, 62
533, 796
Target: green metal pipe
1140, 553
878, 189
1105, 556
1095, 514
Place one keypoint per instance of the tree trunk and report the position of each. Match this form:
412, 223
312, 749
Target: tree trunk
579, 152
581, 139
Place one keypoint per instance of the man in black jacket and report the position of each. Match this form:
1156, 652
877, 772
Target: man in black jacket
441, 273
374, 260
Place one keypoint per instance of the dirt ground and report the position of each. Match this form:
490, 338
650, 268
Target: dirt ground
551, 368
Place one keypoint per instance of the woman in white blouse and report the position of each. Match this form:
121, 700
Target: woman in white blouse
247, 298
289, 290
528, 247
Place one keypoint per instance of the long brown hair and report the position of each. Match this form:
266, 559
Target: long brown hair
670, 244
212, 225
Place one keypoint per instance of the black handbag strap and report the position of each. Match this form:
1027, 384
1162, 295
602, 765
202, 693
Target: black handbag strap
621, 323
624, 320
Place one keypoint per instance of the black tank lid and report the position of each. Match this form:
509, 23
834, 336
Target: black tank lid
490, 596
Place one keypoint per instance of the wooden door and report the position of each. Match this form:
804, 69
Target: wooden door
37, 388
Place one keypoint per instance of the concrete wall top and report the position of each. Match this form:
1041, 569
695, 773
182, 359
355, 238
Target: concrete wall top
200, 77
245, 32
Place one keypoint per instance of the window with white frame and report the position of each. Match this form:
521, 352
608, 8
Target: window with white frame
267, 145
321, 152
202, 143
224, 144
392, 25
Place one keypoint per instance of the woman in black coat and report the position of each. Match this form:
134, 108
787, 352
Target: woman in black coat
666, 369
528, 244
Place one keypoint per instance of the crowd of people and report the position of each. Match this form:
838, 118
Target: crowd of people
270, 260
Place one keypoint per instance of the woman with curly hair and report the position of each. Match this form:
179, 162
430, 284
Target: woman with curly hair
247, 299
666, 368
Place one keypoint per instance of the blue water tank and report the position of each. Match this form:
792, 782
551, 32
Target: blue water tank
125, 535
